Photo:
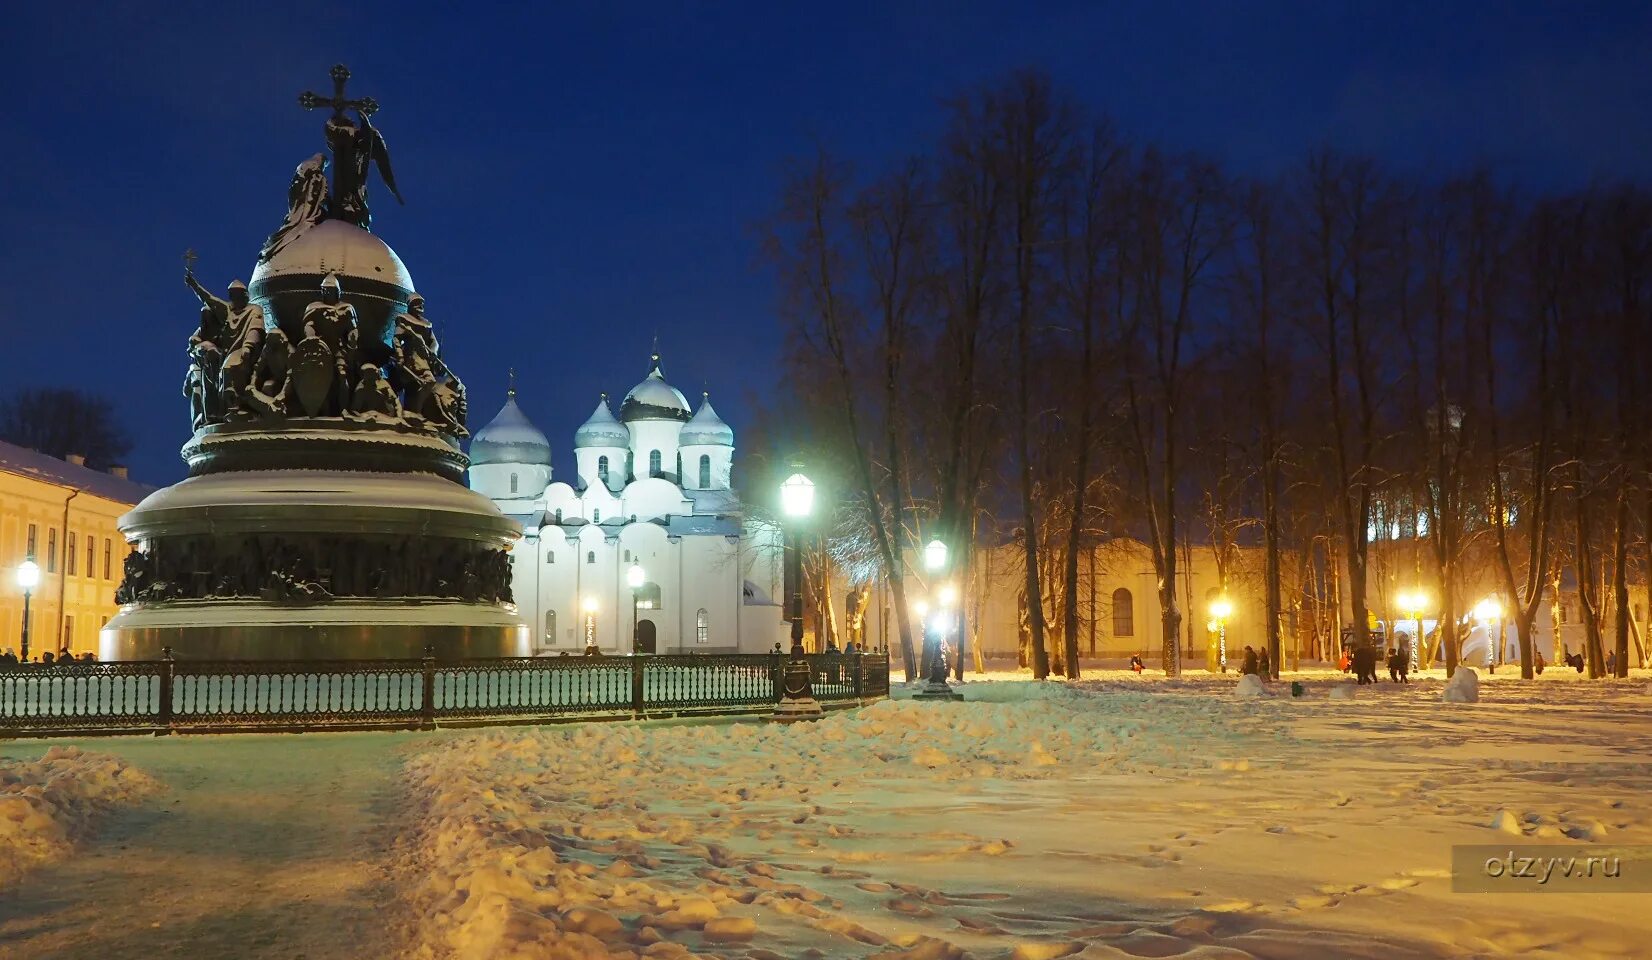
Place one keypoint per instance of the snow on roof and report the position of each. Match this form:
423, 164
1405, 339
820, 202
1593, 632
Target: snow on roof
654, 399
24, 462
706, 427
601, 429
510, 438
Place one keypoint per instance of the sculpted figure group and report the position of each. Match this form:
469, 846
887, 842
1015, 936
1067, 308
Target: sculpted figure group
243, 367
303, 569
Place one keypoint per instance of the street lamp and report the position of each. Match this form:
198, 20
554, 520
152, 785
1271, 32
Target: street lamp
1486, 611
1411, 604
938, 627
797, 701
1221, 609
590, 608
635, 577
28, 577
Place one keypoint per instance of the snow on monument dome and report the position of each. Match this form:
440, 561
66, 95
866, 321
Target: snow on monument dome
654, 399
335, 246
510, 438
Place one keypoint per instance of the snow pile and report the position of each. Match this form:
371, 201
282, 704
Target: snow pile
47, 805
633, 840
1344, 691
1250, 687
1463, 687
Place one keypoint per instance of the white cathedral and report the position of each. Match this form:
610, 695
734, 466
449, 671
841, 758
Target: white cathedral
650, 502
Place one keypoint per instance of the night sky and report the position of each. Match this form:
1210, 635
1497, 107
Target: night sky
578, 181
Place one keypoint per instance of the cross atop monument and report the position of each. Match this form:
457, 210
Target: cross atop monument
341, 75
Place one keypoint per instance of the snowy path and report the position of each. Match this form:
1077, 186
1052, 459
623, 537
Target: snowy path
260, 847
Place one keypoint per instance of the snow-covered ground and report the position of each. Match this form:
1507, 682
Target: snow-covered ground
1120, 816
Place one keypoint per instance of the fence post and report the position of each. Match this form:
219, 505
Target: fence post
163, 709
427, 710
777, 675
638, 705
860, 676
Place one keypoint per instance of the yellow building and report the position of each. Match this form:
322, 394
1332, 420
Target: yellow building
62, 513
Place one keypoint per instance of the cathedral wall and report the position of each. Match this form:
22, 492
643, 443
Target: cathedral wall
648, 436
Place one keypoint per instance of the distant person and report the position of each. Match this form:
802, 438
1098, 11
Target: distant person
1249, 665
1136, 664
65, 655
1264, 664
831, 646
46, 659
1612, 663
1344, 661
9, 657
89, 656
1576, 660
1540, 663
776, 649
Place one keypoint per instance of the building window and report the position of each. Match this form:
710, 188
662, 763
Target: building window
654, 463
559, 511
705, 471
69, 556
627, 556
702, 627
32, 534
602, 469
590, 556
91, 556
550, 627
1124, 613
513, 483
596, 515
68, 632
51, 550
108, 559
550, 556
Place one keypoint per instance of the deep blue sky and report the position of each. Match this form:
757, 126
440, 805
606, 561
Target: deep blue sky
578, 180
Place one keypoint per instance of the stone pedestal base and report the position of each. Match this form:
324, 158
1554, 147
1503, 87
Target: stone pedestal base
937, 690
333, 630
790, 710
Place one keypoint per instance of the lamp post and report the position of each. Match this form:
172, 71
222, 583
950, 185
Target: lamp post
797, 700
1221, 609
938, 626
1412, 604
28, 577
590, 608
634, 577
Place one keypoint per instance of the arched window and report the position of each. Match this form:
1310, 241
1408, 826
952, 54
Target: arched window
558, 514
513, 483
627, 556
602, 469
550, 627
550, 556
653, 463
1124, 613
596, 515
705, 471
702, 627
590, 556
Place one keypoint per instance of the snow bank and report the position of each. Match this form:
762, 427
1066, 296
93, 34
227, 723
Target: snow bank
1250, 687
1344, 691
47, 805
1463, 687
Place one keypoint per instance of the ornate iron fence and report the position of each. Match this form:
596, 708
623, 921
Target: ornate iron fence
161, 696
